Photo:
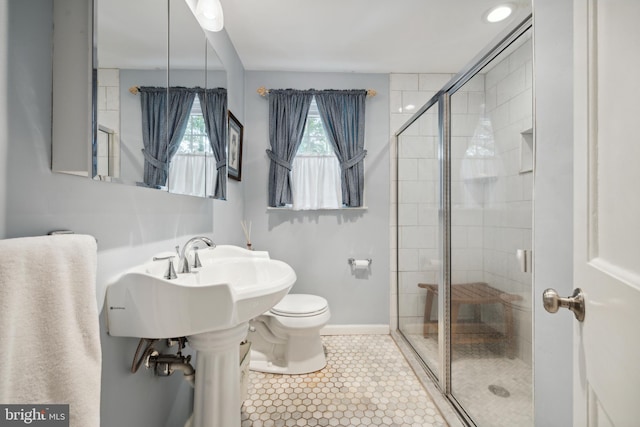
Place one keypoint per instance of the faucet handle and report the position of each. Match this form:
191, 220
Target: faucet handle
171, 271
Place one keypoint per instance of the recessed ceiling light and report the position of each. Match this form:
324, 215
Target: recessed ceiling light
498, 13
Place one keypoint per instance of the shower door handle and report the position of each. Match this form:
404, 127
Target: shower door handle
552, 302
522, 255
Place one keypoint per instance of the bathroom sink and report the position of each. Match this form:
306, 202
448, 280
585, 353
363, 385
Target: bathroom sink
233, 286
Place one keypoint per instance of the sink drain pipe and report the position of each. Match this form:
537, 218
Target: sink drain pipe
166, 364
163, 364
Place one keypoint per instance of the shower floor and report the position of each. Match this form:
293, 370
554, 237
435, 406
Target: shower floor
475, 370
367, 382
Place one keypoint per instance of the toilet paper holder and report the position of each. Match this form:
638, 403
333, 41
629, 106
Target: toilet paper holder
359, 262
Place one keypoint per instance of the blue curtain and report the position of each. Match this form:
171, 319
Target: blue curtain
214, 109
342, 113
165, 113
288, 111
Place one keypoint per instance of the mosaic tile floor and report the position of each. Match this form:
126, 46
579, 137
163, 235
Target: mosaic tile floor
367, 382
476, 368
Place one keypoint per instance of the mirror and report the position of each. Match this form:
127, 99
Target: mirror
216, 81
196, 78
131, 51
148, 56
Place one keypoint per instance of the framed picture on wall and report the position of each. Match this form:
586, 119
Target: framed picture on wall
234, 158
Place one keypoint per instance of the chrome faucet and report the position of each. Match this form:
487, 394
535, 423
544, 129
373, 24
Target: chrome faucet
185, 267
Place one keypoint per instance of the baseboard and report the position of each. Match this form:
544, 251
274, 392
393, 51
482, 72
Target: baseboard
355, 330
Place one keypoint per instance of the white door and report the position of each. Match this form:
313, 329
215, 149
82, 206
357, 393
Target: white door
607, 212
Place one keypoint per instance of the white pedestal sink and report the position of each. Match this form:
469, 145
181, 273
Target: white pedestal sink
211, 307
217, 394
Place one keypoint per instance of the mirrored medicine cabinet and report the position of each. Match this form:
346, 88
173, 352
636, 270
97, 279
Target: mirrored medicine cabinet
140, 96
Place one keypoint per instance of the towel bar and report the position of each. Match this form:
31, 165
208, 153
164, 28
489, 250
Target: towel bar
58, 232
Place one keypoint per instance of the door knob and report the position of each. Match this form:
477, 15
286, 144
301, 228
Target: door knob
552, 302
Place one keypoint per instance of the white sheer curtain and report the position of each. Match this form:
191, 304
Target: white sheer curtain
192, 174
316, 183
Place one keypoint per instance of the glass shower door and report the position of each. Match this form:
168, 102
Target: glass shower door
419, 258
464, 236
491, 228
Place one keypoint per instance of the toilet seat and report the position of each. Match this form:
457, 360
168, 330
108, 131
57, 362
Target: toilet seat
300, 305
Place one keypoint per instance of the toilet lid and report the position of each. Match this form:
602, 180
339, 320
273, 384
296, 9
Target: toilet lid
300, 305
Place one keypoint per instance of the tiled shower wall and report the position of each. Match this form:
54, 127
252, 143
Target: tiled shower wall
109, 113
491, 218
467, 213
417, 215
418, 191
508, 201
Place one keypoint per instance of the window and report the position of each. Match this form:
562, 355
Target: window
195, 140
194, 158
315, 176
315, 141
343, 115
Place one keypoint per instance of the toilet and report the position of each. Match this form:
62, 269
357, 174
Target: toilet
286, 339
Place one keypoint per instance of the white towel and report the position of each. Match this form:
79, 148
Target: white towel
49, 333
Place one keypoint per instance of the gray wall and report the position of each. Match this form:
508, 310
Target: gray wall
317, 244
553, 212
130, 223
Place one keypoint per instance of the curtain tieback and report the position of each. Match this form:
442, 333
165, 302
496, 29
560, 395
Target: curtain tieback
154, 162
354, 160
279, 161
221, 163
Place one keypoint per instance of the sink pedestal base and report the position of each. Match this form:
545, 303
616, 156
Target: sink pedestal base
217, 387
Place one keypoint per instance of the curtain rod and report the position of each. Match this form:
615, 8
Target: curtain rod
263, 91
136, 89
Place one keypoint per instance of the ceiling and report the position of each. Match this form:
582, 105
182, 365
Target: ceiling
366, 36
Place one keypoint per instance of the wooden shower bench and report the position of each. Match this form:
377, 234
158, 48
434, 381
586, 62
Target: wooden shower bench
474, 331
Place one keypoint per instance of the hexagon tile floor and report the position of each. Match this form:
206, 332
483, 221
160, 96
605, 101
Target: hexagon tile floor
367, 382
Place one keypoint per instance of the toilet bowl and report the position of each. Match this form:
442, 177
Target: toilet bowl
286, 339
